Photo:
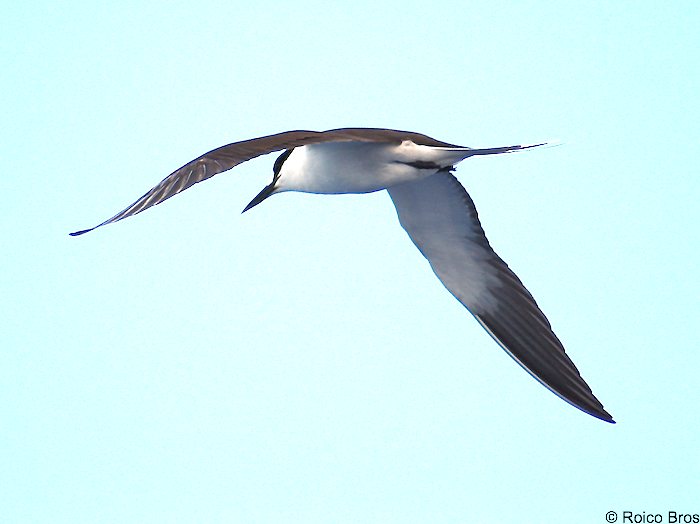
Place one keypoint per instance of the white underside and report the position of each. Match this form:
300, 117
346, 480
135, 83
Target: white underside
360, 167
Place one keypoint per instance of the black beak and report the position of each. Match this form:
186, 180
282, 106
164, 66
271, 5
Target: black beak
260, 197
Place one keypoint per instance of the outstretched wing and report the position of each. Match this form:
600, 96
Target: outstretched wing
226, 157
441, 219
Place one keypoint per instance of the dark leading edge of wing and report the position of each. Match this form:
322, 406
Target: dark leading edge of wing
226, 157
442, 221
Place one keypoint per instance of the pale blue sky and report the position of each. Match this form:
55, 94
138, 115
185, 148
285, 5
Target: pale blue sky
301, 363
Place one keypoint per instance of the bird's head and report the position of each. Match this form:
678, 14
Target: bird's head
273, 187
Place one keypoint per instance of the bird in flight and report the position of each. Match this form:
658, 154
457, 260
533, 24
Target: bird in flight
434, 209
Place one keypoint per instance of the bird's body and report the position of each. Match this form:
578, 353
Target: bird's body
361, 167
343, 167
433, 208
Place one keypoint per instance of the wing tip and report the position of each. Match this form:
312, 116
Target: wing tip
600, 414
588, 404
81, 232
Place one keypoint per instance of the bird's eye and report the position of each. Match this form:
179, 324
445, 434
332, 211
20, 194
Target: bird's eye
280, 160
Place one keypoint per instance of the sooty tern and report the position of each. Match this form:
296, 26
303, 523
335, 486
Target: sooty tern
433, 208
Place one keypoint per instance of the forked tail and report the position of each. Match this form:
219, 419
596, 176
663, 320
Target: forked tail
512, 149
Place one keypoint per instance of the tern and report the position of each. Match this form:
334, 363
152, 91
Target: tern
432, 206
